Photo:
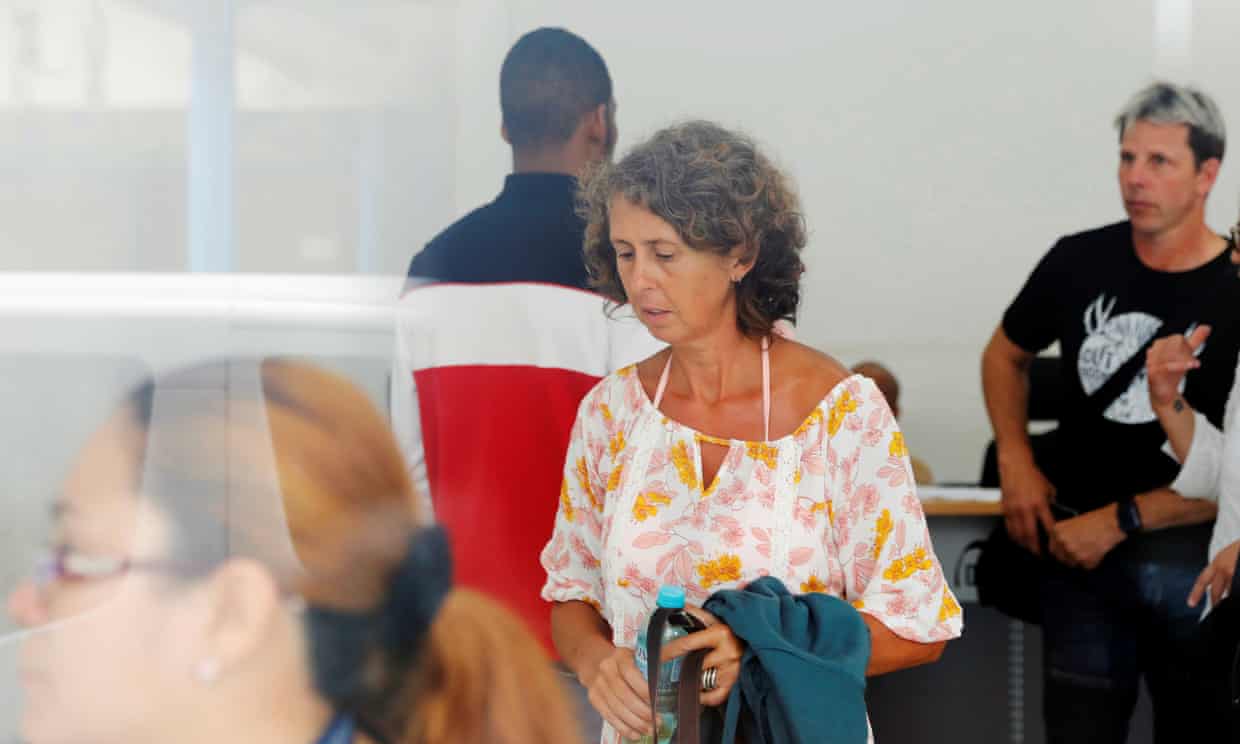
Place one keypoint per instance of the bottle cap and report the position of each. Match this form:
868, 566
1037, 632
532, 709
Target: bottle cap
671, 597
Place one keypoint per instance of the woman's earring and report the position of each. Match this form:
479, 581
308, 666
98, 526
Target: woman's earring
207, 671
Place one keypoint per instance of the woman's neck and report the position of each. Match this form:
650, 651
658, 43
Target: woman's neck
297, 722
710, 367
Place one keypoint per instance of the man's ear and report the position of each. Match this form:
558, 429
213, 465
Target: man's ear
596, 127
503, 133
1207, 175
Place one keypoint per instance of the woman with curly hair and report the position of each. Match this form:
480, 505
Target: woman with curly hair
733, 454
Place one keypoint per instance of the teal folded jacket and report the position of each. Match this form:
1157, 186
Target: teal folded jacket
802, 677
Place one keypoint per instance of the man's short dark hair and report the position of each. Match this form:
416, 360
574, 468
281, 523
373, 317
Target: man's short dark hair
549, 80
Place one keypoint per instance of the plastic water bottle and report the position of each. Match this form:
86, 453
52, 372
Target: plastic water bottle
666, 698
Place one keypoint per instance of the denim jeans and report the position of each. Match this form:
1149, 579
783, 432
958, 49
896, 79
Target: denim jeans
1106, 629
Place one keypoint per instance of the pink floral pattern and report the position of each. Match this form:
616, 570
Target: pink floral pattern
831, 507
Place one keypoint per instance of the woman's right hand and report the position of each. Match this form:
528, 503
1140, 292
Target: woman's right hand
619, 692
1168, 360
1216, 578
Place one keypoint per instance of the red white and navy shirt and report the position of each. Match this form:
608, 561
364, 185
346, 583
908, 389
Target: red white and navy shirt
498, 341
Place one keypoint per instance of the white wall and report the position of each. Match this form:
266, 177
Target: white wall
939, 146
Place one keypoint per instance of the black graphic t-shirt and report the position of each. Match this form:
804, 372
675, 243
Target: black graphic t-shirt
1094, 296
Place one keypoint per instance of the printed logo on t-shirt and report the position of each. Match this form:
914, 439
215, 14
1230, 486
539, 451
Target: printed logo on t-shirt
1109, 342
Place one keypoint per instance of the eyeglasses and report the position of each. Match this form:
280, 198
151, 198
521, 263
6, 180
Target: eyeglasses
66, 564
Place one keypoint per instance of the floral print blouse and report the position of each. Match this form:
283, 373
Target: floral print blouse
829, 508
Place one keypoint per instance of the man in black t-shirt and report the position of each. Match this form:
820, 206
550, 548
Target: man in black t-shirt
1122, 549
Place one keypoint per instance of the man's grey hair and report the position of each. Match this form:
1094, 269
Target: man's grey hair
1167, 103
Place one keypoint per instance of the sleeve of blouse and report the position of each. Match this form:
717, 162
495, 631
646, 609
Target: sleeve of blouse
571, 558
1199, 474
1227, 525
890, 569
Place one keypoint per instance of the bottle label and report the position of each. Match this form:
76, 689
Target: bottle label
673, 671
670, 672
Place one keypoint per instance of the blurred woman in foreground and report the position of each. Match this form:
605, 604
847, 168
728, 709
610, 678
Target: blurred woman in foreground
237, 558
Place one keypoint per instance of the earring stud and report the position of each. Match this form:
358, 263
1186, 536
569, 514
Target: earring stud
208, 671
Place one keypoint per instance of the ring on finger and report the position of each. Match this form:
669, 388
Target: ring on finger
710, 679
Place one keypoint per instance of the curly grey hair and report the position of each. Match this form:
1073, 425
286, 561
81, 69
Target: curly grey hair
718, 192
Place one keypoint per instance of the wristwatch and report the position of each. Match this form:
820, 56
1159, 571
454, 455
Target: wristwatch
1129, 516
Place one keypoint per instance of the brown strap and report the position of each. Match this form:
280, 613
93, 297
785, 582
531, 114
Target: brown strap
688, 700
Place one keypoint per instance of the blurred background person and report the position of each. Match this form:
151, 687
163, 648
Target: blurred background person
890, 388
1209, 457
240, 539
559, 115
1126, 547
498, 342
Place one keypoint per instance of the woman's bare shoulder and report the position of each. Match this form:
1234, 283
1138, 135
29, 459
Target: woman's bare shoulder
810, 373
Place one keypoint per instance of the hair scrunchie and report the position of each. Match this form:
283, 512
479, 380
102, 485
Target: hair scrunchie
342, 642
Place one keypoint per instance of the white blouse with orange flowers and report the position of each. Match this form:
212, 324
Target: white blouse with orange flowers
830, 508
